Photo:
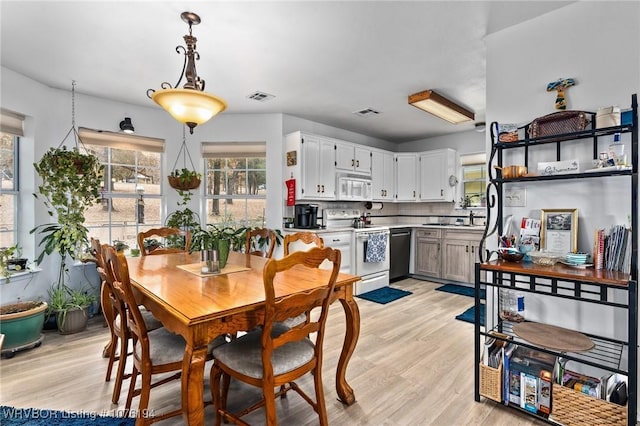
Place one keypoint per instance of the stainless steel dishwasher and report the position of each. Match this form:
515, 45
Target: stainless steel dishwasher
400, 249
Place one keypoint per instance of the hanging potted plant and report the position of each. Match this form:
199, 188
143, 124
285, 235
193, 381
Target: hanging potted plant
71, 180
184, 179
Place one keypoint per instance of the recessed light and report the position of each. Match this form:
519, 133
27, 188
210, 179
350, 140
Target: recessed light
366, 112
260, 96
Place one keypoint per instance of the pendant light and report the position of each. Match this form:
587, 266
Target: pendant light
190, 105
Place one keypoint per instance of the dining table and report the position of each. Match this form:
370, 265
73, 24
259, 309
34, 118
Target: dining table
201, 306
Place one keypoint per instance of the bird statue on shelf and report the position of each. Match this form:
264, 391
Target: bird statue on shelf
560, 86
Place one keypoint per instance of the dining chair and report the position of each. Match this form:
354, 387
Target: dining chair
163, 233
299, 238
260, 242
274, 355
114, 311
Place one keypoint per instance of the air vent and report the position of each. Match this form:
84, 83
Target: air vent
260, 96
367, 112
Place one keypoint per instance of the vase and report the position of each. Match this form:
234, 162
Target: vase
73, 320
223, 252
21, 327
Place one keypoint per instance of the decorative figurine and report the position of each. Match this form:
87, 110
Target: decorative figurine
560, 86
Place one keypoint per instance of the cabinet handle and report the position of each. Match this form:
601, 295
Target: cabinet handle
472, 249
352, 162
357, 163
323, 189
414, 194
318, 190
466, 249
441, 192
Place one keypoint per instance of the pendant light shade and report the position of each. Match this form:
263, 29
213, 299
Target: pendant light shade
190, 105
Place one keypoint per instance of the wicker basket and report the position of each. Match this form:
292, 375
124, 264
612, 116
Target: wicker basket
491, 382
574, 408
558, 123
184, 185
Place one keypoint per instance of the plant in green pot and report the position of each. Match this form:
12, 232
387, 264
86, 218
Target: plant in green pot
21, 323
214, 238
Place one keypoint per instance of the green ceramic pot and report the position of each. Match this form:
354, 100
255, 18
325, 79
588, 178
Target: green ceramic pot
21, 328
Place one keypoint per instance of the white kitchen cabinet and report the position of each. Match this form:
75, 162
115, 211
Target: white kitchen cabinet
353, 158
459, 254
428, 259
438, 175
382, 175
406, 171
311, 161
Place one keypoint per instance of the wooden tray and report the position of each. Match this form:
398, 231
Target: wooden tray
552, 337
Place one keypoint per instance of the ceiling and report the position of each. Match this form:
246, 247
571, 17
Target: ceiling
321, 60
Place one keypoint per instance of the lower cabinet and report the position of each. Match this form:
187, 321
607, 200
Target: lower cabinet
459, 254
428, 260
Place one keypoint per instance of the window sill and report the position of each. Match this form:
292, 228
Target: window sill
19, 275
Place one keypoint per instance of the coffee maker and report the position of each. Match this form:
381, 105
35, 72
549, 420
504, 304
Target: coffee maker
306, 216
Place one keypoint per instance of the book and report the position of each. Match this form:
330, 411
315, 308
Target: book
545, 385
506, 356
529, 388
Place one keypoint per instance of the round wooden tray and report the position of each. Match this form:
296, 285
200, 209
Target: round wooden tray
552, 337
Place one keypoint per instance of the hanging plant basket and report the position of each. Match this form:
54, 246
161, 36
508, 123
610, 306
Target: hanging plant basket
184, 182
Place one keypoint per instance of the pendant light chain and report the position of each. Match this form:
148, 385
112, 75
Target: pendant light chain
185, 152
73, 104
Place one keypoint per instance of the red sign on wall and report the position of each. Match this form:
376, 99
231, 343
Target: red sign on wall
291, 192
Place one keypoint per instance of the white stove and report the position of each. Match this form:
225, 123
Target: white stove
370, 248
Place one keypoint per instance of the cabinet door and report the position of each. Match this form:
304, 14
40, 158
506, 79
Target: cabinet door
432, 170
326, 170
310, 182
362, 160
428, 261
406, 177
382, 175
345, 159
456, 260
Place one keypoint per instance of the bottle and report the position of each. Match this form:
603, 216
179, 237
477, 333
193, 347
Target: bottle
520, 306
616, 151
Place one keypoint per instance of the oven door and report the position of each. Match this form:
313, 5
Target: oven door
368, 268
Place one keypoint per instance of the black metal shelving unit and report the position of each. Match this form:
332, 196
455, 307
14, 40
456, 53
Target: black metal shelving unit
585, 286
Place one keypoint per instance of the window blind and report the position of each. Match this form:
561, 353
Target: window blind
120, 140
233, 149
472, 159
11, 122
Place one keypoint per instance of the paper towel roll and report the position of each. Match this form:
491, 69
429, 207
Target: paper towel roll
373, 206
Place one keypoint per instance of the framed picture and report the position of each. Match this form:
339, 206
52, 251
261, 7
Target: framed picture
559, 232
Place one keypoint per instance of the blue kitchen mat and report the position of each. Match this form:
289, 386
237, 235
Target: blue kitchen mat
384, 295
469, 315
461, 289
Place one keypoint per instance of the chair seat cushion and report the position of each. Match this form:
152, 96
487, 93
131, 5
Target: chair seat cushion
167, 347
150, 321
244, 354
293, 321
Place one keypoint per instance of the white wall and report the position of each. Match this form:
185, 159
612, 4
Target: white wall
597, 44
469, 142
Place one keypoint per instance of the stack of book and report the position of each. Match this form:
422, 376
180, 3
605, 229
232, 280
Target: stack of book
612, 251
528, 379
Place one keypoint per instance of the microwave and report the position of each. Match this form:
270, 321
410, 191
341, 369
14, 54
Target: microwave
354, 188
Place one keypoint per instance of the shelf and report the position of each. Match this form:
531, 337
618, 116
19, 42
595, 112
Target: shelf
567, 176
584, 134
561, 271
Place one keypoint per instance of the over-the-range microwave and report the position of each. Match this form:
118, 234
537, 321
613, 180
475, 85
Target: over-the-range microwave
351, 188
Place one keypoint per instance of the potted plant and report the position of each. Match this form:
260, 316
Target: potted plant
220, 239
120, 246
70, 185
21, 323
184, 179
71, 307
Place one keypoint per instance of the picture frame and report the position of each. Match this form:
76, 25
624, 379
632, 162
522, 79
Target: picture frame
559, 230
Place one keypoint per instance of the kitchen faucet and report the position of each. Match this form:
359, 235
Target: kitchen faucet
471, 217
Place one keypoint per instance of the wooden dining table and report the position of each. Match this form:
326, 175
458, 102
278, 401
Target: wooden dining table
201, 307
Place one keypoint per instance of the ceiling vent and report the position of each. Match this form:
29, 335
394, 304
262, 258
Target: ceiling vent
367, 112
260, 96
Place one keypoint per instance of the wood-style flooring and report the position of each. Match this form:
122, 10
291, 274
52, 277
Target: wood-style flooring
413, 365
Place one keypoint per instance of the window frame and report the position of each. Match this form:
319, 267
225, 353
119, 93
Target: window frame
15, 191
469, 161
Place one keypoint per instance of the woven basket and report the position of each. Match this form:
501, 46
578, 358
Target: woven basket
491, 382
574, 408
184, 185
558, 123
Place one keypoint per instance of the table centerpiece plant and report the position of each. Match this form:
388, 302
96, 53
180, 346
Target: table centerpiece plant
221, 239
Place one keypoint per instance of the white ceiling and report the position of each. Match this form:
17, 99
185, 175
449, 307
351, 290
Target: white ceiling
321, 60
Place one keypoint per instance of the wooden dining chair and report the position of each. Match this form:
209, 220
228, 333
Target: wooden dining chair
114, 311
164, 234
261, 242
302, 237
273, 354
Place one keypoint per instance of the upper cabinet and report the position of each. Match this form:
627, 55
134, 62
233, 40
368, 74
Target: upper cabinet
438, 175
406, 177
353, 158
311, 161
382, 175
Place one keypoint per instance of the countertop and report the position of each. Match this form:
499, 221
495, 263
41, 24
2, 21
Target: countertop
470, 228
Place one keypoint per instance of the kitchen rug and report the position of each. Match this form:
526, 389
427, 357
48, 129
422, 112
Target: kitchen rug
469, 315
384, 295
11, 416
461, 289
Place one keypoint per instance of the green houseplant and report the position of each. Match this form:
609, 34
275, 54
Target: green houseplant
217, 238
71, 307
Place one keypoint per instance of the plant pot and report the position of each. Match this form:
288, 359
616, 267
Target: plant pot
73, 320
223, 252
184, 184
22, 324
19, 264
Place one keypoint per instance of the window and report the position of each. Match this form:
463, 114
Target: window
131, 195
11, 128
474, 180
8, 189
235, 179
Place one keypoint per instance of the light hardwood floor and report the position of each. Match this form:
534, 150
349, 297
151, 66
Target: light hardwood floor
413, 365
